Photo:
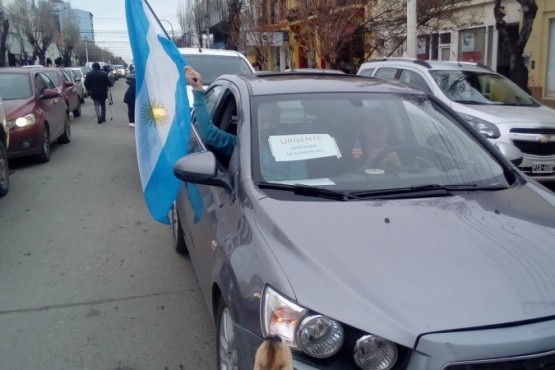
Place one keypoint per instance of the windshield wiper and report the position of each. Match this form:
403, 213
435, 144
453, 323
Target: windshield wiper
306, 190
473, 102
426, 190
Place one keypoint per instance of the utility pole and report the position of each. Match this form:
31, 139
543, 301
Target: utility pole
87, 51
411, 28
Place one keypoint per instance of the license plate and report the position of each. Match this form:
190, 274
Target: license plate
542, 167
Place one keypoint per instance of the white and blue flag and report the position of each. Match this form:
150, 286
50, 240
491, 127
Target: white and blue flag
162, 115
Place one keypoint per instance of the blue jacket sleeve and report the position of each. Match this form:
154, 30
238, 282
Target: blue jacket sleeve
222, 141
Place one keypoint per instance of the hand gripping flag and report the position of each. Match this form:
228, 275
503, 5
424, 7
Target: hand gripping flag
162, 115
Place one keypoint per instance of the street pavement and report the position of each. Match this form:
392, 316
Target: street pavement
87, 279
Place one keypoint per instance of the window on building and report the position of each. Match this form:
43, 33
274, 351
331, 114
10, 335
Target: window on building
472, 45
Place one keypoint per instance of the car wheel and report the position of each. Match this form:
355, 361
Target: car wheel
44, 155
177, 232
77, 111
4, 171
225, 342
66, 136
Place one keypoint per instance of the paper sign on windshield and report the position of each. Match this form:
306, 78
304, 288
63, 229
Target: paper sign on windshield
303, 146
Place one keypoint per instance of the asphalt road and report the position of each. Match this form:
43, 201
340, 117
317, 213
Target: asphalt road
87, 279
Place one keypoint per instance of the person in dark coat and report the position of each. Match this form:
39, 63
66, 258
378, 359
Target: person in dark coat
98, 83
129, 99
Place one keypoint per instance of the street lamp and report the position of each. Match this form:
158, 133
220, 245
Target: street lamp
171, 26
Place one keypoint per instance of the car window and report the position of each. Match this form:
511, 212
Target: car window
212, 66
212, 97
414, 79
330, 140
15, 86
386, 72
55, 77
67, 76
366, 72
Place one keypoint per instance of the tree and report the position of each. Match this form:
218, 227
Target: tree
518, 72
38, 25
190, 18
67, 38
5, 26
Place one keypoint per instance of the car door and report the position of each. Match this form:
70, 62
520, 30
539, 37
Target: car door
54, 108
220, 210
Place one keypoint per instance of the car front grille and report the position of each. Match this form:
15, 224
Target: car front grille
541, 362
537, 131
535, 148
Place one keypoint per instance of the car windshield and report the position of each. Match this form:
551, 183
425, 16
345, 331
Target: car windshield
212, 66
480, 88
15, 86
361, 142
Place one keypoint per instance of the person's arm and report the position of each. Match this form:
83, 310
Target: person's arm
218, 139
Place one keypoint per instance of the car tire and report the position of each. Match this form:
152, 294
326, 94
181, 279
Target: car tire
77, 111
66, 136
44, 155
226, 351
177, 232
4, 170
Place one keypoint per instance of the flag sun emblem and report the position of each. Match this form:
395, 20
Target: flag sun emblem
155, 113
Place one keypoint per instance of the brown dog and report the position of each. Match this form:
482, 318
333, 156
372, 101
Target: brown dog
272, 354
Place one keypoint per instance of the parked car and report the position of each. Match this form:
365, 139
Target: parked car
212, 63
35, 113
494, 105
85, 71
4, 143
64, 83
79, 79
441, 261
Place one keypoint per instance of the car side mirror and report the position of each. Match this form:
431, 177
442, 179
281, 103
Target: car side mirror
200, 168
50, 94
511, 152
69, 83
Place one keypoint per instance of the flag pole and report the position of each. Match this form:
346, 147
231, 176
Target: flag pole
157, 20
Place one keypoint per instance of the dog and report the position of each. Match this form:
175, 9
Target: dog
272, 354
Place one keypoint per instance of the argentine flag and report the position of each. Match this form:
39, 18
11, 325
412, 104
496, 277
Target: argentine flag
162, 115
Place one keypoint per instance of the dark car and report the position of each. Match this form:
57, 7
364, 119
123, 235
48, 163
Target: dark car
35, 113
4, 143
433, 252
64, 82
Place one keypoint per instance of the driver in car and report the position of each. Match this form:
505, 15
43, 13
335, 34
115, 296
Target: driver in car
371, 146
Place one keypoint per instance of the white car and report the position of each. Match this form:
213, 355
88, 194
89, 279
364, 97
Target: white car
490, 102
212, 63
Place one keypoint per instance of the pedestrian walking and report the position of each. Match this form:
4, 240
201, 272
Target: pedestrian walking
98, 83
129, 99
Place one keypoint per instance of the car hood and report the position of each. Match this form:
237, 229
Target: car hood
509, 114
18, 108
401, 268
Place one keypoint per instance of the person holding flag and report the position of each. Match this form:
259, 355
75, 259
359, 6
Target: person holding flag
162, 115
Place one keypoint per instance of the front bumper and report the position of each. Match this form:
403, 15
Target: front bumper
25, 141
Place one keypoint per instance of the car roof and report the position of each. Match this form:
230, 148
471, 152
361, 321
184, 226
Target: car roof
298, 82
201, 51
429, 64
27, 70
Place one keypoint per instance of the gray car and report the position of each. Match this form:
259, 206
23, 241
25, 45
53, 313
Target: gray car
434, 253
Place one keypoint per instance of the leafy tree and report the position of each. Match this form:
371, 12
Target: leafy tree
518, 72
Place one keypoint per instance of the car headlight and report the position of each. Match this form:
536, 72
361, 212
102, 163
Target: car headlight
27, 120
316, 335
487, 129
319, 336
375, 353
280, 316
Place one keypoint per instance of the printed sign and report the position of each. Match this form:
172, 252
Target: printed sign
303, 146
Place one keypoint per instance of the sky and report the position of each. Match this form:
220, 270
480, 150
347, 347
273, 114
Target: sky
110, 26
